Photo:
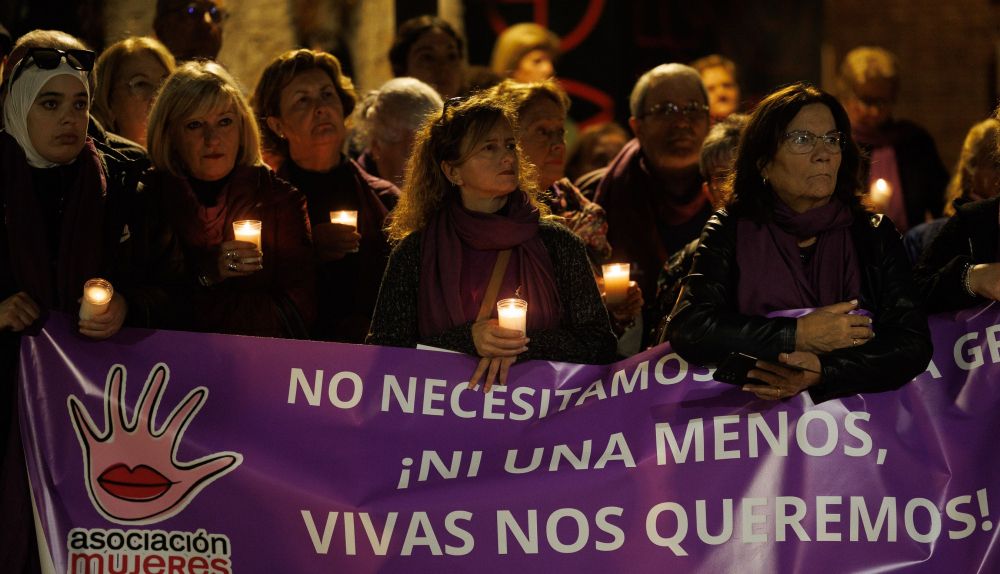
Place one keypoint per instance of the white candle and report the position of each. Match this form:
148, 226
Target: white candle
349, 218
616, 277
513, 314
97, 295
346, 217
247, 230
880, 194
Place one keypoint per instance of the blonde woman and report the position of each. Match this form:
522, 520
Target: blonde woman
128, 75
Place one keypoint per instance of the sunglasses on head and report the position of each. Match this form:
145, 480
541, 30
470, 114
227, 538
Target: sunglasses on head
49, 59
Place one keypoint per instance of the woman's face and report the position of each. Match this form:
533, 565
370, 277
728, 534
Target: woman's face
543, 139
57, 120
434, 59
311, 116
535, 66
805, 180
136, 82
209, 143
490, 170
986, 179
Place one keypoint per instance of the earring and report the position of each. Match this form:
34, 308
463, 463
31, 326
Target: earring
764, 179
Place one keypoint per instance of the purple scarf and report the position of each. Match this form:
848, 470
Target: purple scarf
442, 304
772, 273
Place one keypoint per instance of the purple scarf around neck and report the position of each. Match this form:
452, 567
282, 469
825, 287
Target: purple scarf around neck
440, 302
772, 273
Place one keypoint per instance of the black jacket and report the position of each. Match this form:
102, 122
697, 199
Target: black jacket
705, 325
968, 237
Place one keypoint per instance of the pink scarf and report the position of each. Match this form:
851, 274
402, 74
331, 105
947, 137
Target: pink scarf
453, 234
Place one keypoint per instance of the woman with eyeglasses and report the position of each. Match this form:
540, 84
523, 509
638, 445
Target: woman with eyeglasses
541, 115
210, 182
795, 235
128, 75
470, 231
301, 102
67, 215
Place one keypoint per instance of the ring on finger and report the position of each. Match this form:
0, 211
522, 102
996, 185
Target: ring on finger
232, 266
854, 342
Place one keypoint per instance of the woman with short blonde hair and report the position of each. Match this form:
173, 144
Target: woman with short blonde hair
127, 76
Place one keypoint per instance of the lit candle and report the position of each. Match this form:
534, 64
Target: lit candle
880, 194
97, 294
346, 217
247, 230
513, 314
616, 282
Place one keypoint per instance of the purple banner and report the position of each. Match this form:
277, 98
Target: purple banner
168, 452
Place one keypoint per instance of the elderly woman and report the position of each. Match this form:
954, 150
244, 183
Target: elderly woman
388, 118
67, 215
470, 231
204, 145
525, 52
429, 49
793, 236
128, 75
960, 267
541, 116
901, 152
301, 102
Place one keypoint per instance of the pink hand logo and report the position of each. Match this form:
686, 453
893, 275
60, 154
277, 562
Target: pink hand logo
132, 473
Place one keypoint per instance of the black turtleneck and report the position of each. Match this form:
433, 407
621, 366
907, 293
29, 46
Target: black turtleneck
326, 191
207, 192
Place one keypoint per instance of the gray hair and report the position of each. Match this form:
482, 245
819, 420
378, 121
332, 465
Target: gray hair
400, 105
655, 76
720, 144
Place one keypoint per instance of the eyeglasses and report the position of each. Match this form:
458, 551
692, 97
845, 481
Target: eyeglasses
140, 87
671, 112
49, 59
800, 142
198, 10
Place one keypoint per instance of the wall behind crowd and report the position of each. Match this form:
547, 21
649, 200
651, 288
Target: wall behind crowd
947, 51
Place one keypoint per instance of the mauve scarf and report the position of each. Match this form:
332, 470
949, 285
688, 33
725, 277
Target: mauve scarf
772, 273
440, 304
81, 234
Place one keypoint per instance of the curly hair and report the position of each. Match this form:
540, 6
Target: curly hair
753, 198
452, 138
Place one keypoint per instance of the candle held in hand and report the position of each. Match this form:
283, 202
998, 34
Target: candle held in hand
247, 230
513, 314
97, 295
616, 276
345, 217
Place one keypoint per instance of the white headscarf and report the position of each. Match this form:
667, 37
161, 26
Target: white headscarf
22, 95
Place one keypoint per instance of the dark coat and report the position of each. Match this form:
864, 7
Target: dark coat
705, 326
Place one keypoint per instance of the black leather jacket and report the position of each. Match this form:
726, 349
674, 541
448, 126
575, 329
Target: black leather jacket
705, 325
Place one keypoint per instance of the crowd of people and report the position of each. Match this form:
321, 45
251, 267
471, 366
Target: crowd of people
140, 164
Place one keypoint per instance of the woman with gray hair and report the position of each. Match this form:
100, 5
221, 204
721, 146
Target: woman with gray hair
387, 121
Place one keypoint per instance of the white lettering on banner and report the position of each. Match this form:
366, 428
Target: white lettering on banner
526, 534
816, 434
616, 449
667, 523
972, 357
298, 381
420, 532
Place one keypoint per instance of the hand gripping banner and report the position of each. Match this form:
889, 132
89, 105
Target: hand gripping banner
168, 452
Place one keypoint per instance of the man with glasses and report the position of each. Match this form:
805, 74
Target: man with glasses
652, 191
190, 30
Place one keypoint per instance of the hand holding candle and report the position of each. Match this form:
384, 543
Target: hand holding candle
247, 230
348, 218
616, 279
513, 314
97, 294
241, 256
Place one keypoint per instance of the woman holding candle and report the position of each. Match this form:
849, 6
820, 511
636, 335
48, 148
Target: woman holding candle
244, 232
541, 116
469, 213
794, 235
301, 102
67, 215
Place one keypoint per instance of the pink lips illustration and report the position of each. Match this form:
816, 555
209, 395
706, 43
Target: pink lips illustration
138, 484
